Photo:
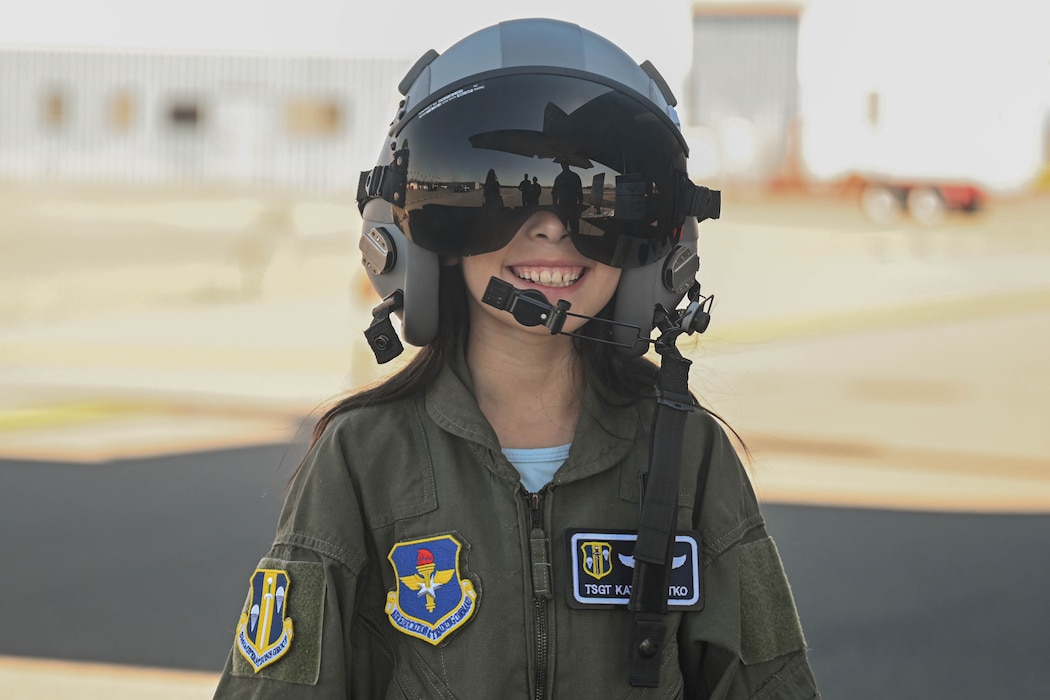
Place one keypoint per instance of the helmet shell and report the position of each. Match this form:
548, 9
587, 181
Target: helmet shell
526, 45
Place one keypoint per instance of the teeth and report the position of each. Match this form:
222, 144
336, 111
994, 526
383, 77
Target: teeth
549, 277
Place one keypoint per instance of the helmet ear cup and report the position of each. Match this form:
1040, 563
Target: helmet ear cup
411, 269
641, 289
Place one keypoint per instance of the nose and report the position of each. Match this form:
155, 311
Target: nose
545, 225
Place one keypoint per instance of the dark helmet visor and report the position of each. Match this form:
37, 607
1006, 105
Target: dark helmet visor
478, 161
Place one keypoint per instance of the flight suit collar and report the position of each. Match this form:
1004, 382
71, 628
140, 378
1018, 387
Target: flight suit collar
451, 404
604, 434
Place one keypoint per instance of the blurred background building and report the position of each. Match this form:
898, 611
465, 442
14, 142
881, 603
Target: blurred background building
923, 106
296, 121
937, 101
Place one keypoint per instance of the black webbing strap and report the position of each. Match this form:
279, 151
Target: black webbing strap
386, 181
656, 529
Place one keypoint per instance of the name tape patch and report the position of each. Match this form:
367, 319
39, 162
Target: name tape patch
602, 565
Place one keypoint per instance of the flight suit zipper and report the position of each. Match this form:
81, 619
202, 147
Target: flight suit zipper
539, 553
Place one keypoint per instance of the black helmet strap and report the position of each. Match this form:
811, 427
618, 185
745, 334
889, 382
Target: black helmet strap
656, 528
386, 181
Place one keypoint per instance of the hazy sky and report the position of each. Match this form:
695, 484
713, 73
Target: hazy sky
658, 30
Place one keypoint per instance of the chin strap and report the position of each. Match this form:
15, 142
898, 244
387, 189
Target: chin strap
656, 529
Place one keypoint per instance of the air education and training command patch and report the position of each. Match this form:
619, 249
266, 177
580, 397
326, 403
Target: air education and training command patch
430, 600
264, 633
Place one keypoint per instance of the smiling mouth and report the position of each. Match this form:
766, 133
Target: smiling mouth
549, 276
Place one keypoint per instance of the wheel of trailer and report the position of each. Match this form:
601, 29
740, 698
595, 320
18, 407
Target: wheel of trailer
881, 204
926, 206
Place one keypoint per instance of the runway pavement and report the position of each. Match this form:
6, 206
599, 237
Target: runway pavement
891, 384
145, 562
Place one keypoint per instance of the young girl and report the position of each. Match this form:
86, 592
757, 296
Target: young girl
480, 524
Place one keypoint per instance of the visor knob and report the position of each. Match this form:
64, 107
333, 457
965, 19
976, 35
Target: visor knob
680, 269
377, 251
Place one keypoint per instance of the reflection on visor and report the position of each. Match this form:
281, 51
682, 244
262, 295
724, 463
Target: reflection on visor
607, 164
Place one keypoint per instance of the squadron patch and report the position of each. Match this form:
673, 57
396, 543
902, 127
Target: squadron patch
280, 590
264, 633
430, 600
602, 566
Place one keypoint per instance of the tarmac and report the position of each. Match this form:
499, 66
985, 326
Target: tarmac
891, 368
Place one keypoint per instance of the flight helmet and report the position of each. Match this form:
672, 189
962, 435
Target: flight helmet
593, 129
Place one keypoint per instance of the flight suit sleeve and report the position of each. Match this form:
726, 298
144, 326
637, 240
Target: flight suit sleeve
299, 628
747, 642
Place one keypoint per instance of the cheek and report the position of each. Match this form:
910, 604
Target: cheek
610, 278
477, 270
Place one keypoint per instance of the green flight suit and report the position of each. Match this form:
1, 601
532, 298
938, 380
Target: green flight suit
430, 470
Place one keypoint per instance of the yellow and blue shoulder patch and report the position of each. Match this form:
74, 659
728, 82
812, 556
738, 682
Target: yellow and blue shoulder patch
602, 566
265, 631
431, 599
281, 622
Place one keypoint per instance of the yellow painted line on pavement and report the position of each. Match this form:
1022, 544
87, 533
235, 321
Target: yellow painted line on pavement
100, 430
39, 417
66, 414
46, 679
906, 458
816, 471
